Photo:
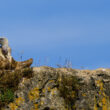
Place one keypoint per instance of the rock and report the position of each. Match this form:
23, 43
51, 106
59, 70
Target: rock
63, 89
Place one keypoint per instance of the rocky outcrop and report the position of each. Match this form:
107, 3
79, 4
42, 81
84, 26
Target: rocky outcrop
45, 88
63, 89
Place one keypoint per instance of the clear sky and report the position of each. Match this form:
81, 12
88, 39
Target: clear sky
53, 31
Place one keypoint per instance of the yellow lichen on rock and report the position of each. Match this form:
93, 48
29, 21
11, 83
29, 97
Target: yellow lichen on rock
33, 94
36, 106
104, 104
43, 90
83, 94
49, 89
19, 101
99, 83
95, 104
13, 106
103, 100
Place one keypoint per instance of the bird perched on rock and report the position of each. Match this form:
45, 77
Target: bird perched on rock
6, 50
7, 61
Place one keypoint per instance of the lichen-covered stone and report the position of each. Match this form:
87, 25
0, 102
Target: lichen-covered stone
63, 89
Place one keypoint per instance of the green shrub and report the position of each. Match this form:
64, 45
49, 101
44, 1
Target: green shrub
7, 95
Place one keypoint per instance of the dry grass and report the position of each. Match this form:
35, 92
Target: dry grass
68, 87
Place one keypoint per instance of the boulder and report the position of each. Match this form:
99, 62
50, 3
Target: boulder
63, 89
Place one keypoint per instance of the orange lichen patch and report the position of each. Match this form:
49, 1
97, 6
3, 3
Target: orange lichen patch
95, 107
36, 106
95, 104
103, 100
13, 106
48, 88
51, 81
33, 94
19, 101
83, 94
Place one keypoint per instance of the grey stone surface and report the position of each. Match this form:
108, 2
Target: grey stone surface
63, 89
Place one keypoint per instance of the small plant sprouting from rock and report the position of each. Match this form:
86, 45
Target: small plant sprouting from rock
6, 96
9, 83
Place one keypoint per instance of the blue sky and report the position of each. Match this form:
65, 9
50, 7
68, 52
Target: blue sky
53, 31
